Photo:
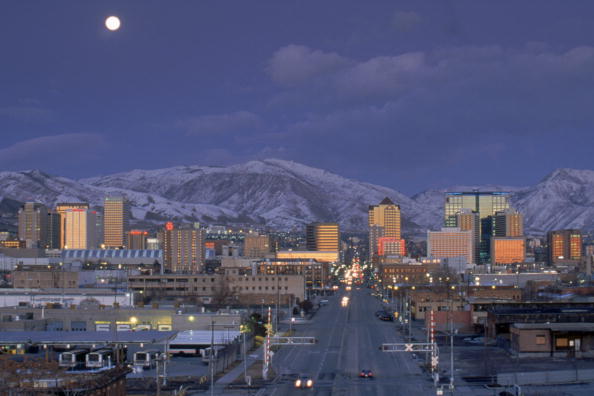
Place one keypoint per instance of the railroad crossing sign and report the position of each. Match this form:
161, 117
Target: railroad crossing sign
293, 341
409, 347
415, 347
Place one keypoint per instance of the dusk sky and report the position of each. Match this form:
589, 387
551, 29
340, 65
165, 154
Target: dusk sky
406, 94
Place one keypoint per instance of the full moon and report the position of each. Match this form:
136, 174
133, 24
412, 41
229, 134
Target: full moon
112, 23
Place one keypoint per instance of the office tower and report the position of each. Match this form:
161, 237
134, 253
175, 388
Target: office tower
183, 249
136, 239
80, 229
486, 204
387, 216
33, 226
322, 237
509, 223
468, 220
255, 245
116, 215
565, 246
53, 227
390, 246
61, 209
508, 250
450, 242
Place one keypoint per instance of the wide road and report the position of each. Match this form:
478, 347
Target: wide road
349, 340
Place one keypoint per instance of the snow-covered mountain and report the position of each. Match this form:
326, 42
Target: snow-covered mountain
284, 194
278, 193
563, 199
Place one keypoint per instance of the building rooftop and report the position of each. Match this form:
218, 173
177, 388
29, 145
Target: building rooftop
111, 253
580, 327
85, 337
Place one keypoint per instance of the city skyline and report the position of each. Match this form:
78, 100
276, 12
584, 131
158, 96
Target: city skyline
478, 91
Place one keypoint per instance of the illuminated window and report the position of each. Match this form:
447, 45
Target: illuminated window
540, 339
561, 342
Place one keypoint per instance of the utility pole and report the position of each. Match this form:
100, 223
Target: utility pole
277, 299
211, 358
157, 378
244, 359
451, 345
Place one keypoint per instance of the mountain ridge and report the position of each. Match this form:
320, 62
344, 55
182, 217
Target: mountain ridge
286, 195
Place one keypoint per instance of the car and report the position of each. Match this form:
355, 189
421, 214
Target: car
386, 317
380, 313
366, 373
304, 382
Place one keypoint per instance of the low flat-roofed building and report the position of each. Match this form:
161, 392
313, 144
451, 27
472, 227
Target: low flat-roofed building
405, 273
44, 278
501, 315
316, 273
230, 288
121, 319
63, 296
321, 256
552, 339
512, 279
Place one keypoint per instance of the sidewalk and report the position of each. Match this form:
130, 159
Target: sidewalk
238, 370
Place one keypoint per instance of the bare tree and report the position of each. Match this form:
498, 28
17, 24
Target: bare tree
222, 293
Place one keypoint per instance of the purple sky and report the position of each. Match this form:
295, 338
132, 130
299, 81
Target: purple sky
405, 94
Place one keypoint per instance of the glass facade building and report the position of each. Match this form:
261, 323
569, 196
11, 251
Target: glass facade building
486, 205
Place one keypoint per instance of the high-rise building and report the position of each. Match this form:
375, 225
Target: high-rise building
33, 226
508, 250
136, 239
565, 246
486, 204
322, 237
468, 220
80, 229
387, 216
256, 245
61, 209
53, 228
509, 223
183, 249
450, 242
116, 215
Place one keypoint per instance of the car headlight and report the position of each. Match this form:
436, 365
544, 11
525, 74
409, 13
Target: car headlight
298, 383
309, 383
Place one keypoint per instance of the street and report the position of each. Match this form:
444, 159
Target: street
348, 341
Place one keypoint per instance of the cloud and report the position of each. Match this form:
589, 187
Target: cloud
381, 74
405, 20
55, 148
221, 123
295, 64
27, 113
